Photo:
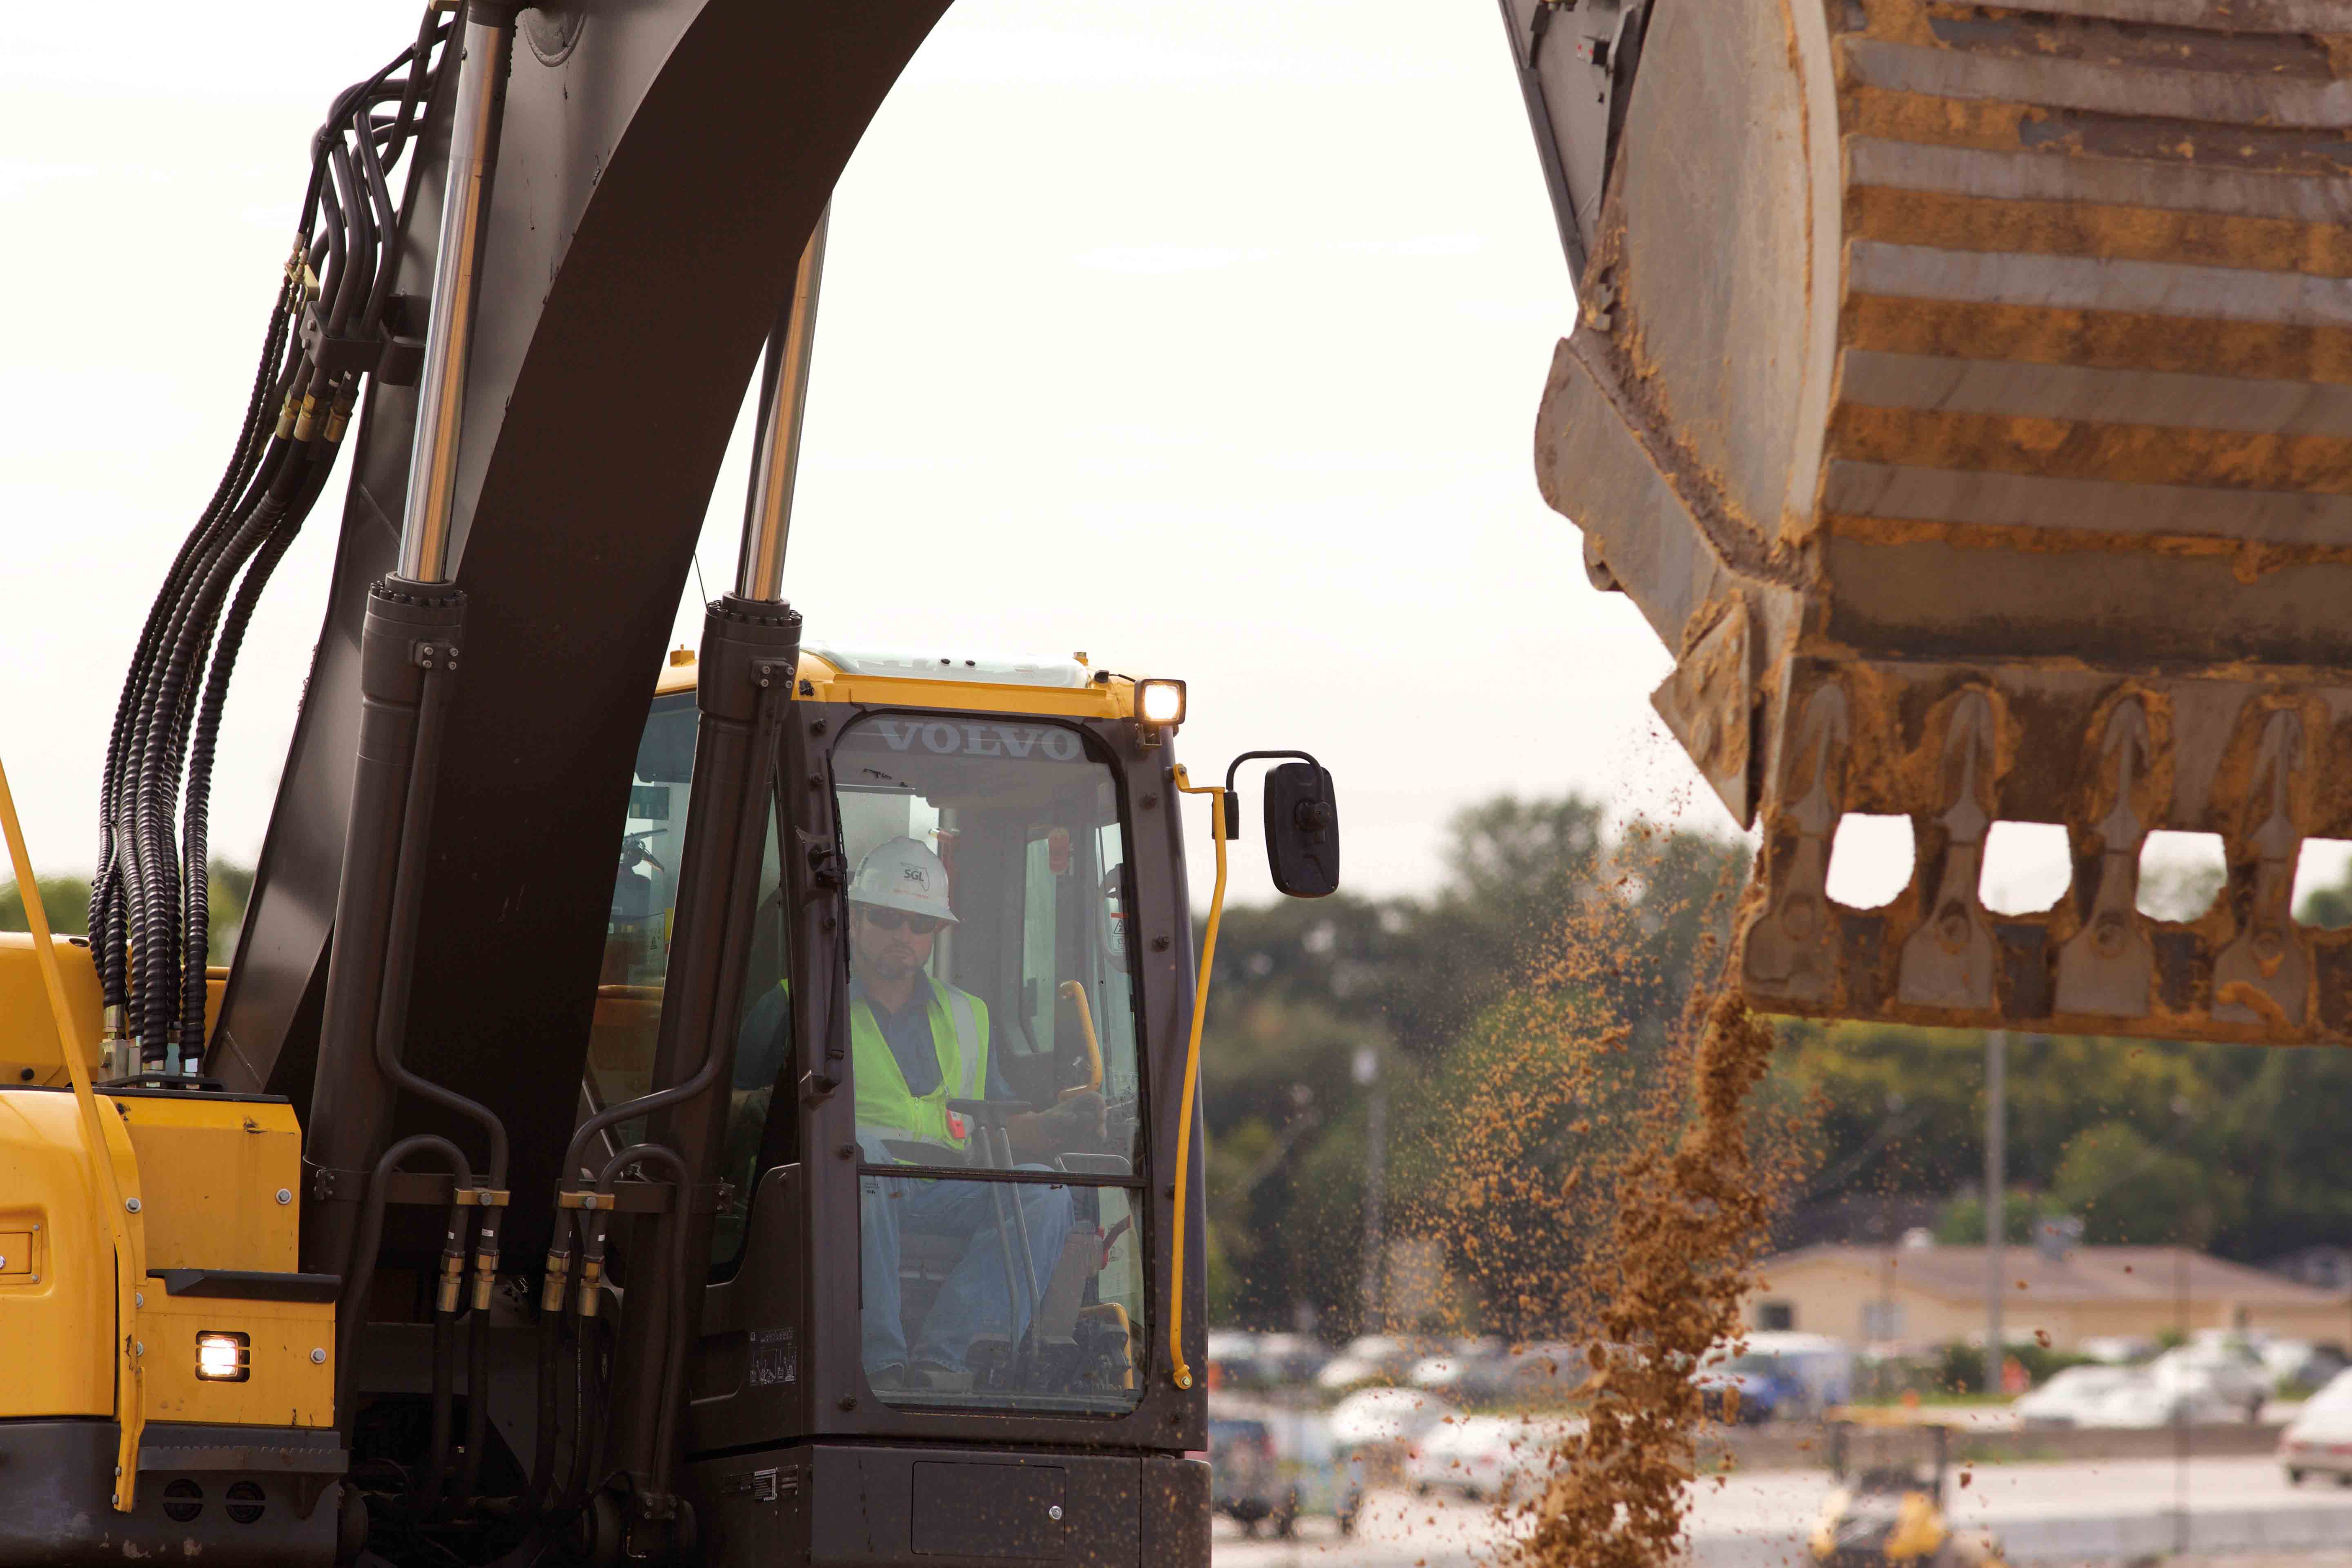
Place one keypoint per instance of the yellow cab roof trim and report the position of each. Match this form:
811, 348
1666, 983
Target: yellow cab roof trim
822, 682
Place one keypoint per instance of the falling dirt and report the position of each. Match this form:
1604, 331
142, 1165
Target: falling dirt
1688, 1224
1639, 1243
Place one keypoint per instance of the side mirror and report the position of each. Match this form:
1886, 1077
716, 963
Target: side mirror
1302, 830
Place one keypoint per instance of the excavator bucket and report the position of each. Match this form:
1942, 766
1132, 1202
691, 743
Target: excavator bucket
1964, 394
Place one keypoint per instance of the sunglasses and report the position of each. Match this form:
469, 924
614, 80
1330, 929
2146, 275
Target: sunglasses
895, 919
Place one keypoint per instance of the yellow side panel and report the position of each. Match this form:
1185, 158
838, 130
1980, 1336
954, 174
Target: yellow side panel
210, 1172
56, 1294
28, 1039
283, 1387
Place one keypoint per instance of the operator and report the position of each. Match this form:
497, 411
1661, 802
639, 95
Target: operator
917, 1043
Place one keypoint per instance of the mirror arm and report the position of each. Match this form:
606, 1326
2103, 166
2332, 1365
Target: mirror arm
1233, 828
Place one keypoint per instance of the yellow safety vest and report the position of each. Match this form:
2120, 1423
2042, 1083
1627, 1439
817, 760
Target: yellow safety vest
886, 1107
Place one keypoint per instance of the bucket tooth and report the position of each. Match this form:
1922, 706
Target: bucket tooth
2263, 975
1949, 961
1792, 951
1707, 703
2107, 966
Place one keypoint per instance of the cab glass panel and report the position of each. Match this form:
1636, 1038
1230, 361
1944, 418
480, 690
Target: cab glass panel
993, 1053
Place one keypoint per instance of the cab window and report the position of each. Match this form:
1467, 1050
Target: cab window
992, 1029
630, 983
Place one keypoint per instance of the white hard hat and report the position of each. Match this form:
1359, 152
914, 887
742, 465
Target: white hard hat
900, 874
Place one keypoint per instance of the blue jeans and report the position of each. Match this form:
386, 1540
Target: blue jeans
976, 1298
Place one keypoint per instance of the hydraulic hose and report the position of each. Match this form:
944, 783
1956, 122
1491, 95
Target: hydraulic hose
445, 1395
399, 952
334, 282
351, 1309
391, 1033
387, 220
591, 1373
146, 842
542, 1460
149, 886
477, 1390
155, 890
680, 1272
195, 833
110, 905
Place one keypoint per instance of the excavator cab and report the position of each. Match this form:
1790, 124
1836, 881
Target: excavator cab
1022, 814
956, 1007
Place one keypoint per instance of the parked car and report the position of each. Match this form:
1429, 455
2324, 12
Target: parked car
1503, 1374
1484, 1457
2319, 1441
1236, 1360
1243, 1480
2144, 1401
1372, 1417
1458, 1369
1275, 1466
1286, 1361
1369, 1359
1750, 1389
2234, 1375
2074, 1397
2302, 1365
1822, 1367
2118, 1350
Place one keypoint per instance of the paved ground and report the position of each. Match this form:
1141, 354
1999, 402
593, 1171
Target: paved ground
2101, 1512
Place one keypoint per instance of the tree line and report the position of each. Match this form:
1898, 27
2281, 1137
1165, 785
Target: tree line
2237, 1148
66, 901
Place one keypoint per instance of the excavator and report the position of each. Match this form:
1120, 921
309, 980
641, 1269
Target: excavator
1956, 390
729, 1106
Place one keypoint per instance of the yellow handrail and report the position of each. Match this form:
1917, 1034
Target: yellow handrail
128, 1407
1183, 1373
1076, 991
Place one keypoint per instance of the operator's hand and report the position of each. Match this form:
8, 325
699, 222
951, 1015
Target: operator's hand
1079, 1123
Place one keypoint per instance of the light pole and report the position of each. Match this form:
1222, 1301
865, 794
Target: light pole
1996, 1182
1376, 1139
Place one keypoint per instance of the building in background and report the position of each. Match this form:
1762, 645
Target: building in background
2325, 1267
1924, 1295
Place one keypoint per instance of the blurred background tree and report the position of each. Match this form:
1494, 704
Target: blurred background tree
1463, 997
66, 900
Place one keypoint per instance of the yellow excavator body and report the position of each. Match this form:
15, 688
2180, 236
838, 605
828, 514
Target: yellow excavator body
28, 1042
57, 1308
217, 1187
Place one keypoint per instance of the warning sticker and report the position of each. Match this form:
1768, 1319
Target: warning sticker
775, 1358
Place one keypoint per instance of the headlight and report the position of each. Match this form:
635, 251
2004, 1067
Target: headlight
222, 1358
1159, 704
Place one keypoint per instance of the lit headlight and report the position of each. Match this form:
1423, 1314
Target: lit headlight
221, 1358
1159, 704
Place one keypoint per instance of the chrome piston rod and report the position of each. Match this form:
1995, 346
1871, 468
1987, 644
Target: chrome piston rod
783, 402
457, 285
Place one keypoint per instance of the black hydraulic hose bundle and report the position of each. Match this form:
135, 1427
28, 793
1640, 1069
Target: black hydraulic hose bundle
150, 907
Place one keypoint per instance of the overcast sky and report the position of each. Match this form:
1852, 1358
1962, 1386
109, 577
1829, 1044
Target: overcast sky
1203, 335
